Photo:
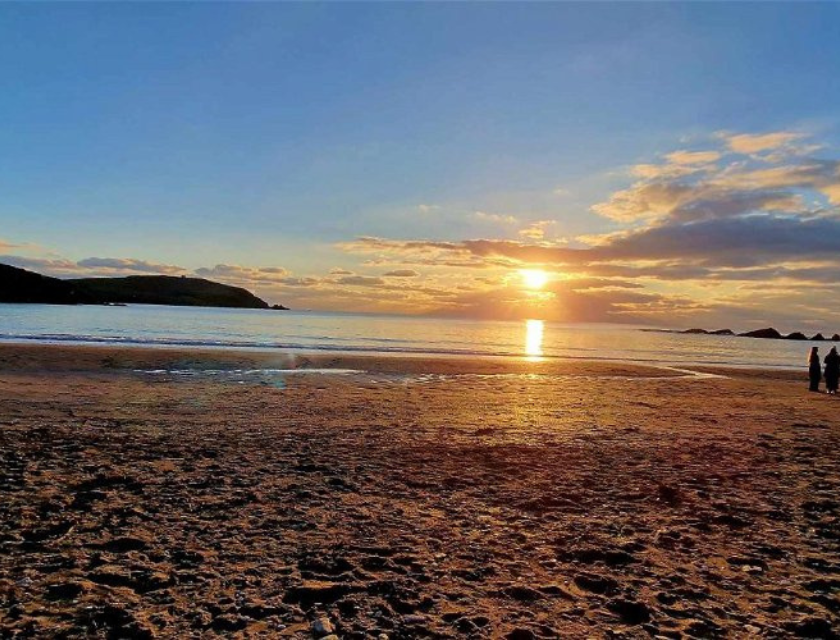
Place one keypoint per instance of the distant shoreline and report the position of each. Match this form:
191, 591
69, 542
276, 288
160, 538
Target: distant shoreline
763, 334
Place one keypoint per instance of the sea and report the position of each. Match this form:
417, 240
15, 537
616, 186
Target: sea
297, 331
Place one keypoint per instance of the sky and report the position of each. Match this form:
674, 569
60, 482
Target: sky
662, 163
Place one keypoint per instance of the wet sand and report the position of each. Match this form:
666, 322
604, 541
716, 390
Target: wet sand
162, 493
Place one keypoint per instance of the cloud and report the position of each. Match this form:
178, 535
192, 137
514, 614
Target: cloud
361, 281
130, 265
45, 266
644, 200
822, 176
536, 230
263, 278
367, 244
739, 242
427, 208
242, 274
693, 157
670, 192
735, 242
401, 273
662, 199
498, 218
295, 281
338, 271
583, 300
749, 143
90, 267
5, 245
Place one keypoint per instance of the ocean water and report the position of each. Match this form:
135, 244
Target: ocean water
310, 331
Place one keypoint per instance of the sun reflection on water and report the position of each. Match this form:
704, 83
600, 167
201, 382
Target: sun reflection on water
534, 338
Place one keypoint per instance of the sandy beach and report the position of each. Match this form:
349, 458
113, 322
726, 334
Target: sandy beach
150, 493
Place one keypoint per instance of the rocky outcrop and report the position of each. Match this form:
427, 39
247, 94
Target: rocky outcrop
770, 332
716, 332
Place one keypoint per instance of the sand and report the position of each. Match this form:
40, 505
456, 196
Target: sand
414, 498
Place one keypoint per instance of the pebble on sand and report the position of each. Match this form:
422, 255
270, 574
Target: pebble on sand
322, 627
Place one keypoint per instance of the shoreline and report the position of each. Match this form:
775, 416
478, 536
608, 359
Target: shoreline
469, 360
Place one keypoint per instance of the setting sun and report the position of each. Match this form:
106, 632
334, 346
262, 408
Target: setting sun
534, 278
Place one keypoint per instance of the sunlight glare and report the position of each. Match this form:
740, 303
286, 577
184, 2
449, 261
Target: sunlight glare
534, 278
533, 338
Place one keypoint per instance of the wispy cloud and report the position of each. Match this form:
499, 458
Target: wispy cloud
238, 273
401, 273
46, 266
361, 281
536, 230
61, 267
693, 157
748, 143
128, 265
498, 218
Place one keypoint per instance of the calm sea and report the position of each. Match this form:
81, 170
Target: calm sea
308, 331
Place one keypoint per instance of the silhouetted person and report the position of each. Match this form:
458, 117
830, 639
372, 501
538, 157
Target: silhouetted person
832, 371
814, 369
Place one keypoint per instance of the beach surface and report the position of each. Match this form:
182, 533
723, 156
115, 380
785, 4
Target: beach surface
162, 493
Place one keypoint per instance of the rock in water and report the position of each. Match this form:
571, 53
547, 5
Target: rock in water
762, 333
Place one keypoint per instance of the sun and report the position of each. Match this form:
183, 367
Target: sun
534, 278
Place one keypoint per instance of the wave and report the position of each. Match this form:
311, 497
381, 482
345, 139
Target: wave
250, 344
388, 346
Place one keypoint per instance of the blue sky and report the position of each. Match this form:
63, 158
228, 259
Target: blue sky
271, 135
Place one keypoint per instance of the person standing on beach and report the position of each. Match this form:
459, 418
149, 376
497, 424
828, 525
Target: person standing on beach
814, 369
832, 371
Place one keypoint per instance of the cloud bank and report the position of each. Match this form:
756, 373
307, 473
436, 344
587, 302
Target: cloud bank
754, 208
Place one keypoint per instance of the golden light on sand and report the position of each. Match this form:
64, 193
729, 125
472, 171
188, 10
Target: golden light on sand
534, 278
533, 338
